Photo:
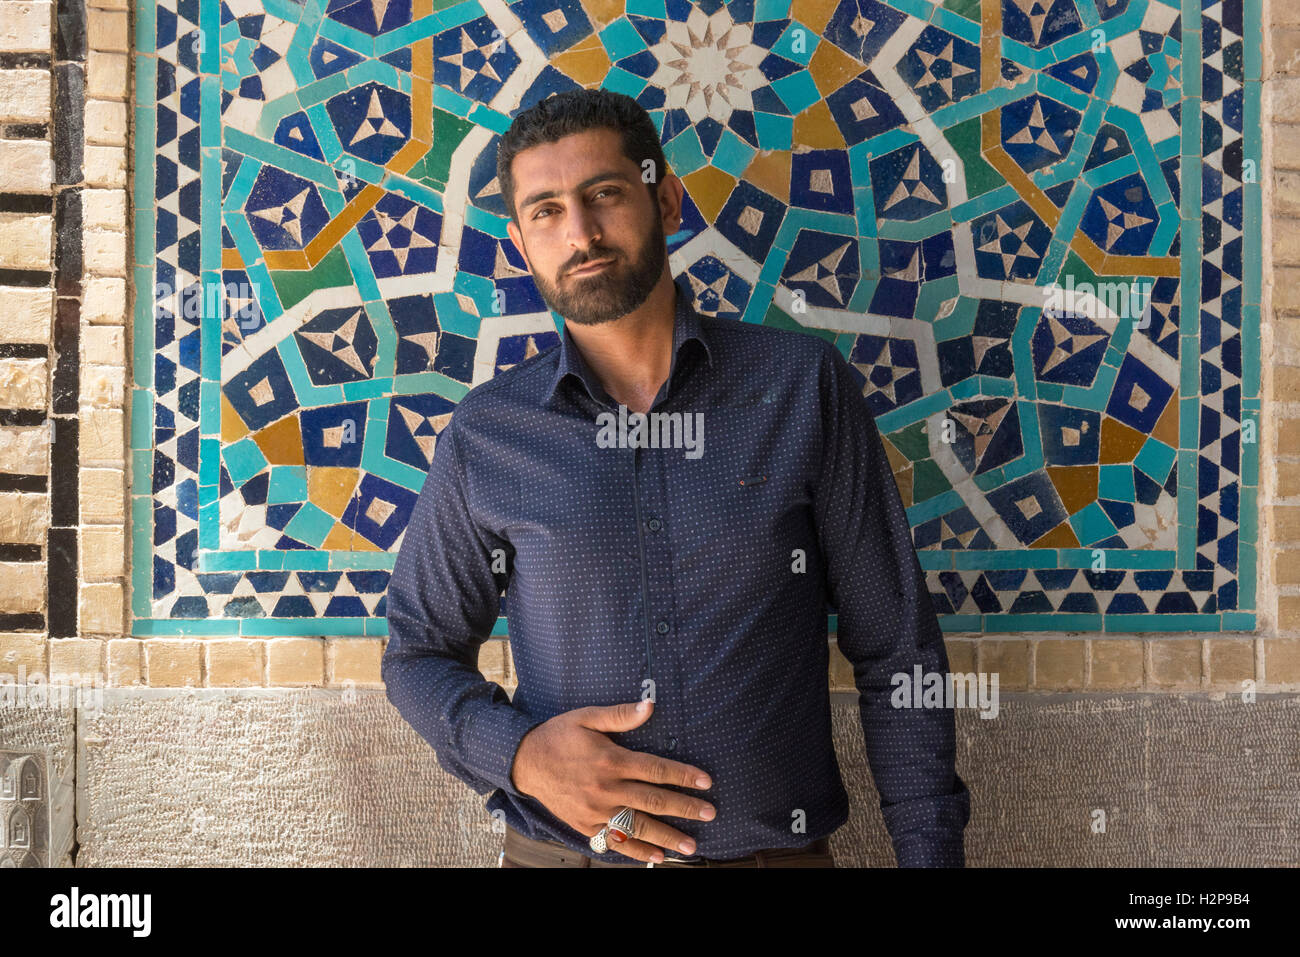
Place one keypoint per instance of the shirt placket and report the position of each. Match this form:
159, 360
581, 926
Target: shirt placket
662, 640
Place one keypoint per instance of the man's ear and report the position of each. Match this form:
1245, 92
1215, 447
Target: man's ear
516, 238
673, 200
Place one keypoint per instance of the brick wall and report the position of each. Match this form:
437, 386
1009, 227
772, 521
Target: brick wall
63, 305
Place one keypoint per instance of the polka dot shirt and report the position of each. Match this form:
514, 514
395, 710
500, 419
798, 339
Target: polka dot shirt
693, 559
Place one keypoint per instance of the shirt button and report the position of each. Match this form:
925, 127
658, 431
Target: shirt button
654, 524
662, 627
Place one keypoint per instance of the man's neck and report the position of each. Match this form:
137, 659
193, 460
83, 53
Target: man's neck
632, 355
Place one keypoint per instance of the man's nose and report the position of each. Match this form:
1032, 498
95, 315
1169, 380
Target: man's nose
584, 231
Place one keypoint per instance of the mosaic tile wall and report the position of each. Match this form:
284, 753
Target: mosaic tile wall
905, 178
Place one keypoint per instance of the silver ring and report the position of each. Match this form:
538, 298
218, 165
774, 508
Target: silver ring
624, 822
598, 841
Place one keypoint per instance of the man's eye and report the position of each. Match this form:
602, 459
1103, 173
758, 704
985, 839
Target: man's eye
540, 211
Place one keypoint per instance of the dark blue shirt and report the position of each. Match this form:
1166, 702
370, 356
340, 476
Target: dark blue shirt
703, 579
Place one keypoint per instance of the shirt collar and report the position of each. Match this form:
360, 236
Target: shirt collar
686, 326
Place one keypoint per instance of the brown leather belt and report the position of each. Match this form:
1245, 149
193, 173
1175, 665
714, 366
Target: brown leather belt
521, 851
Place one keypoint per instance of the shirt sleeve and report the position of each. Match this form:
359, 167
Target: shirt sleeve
443, 600
887, 626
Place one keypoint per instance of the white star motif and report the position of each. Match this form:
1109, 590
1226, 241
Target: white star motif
458, 59
828, 280
339, 343
386, 226
994, 245
718, 287
369, 127
1118, 221
1035, 131
944, 56
288, 216
911, 186
1065, 344
708, 65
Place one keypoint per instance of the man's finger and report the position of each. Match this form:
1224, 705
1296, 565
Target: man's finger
638, 850
615, 717
651, 830
639, 766
661, 802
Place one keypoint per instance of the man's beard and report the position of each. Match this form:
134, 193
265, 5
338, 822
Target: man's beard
612, 292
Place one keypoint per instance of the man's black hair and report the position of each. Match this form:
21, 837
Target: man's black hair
576, 111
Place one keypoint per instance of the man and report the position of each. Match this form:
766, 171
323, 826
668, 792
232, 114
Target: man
667, 600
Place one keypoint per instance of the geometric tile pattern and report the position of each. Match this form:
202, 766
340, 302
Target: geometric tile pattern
1032, 228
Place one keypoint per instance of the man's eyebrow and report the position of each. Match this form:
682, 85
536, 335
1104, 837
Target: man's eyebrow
549, 193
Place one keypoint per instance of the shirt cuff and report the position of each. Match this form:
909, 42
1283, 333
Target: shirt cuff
927, 832
492, 740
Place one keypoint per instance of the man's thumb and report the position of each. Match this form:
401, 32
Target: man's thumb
620, 717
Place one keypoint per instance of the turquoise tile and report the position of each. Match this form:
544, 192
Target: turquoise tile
210, 407
198, 627
1155, 460
733, 154
797, 43
775, 132
1250, 356
1248, 528
368, 388
1246, 571
142, 344
620, 39
209, 461
935, 559
965, 389
210, 525
797, 91
297, 627
310, 525
1250, 450
299, 560
997, 558
288, 483
988, 481
1189, 416
956, 623
1049, 391
141, 545
1239, 621
243, 460
765, 10
141, 470
360, 560
933, 507
230, 561
1064, 621
916, 411
647, 8
1140, 623
269, 560
1116, 482
1092, 524
141, 419
684, 153
956, 24
449, 100
621, 81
